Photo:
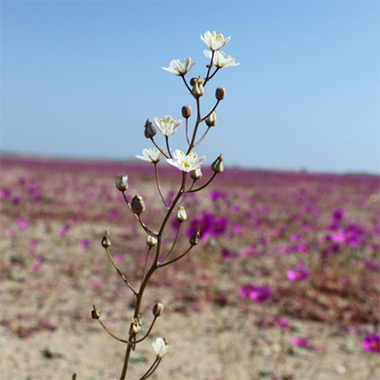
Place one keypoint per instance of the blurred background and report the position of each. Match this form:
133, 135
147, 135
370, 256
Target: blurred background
79, 79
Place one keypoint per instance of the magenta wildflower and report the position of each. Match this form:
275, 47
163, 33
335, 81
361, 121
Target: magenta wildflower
83, 243
371, 343
299, 274
282, 322
299, 342
4, 193
95, 285
258, 294
22, 224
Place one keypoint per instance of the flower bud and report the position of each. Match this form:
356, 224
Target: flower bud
186, 111
217, 165
106, 242
135, 327
121, 182
194, 240
150, 129
197, 89
151, 241
181, 214
196, 174
211, 120
95, 313
220, 93
138, 204
157, 310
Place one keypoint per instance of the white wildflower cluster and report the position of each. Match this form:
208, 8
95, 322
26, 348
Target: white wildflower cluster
187, 161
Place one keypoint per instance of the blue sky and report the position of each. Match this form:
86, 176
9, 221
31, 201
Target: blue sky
79, 79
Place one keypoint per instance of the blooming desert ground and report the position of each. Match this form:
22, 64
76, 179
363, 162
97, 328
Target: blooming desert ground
284, 283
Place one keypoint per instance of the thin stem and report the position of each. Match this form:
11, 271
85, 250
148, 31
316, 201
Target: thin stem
120, 274
174, 243
204, 135
158, 184
206, 184
177, 258
184, 81
209, 69
150, 329
187, 130
146, 261
216, 105
152, 368
163, 153
167, 146
113, 336
217, 69
196, 127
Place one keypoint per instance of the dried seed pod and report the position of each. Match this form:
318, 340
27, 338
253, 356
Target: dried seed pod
217, 165
157, 310
121, 182
95, 313
138, 204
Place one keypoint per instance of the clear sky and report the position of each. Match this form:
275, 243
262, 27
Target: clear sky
79, 79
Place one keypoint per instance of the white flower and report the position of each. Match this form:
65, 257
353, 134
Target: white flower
167, 126
213, 41
220, 60
151, 155
186, 163
180, 68
160, 347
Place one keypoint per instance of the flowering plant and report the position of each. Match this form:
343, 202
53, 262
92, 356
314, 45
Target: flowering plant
189, 164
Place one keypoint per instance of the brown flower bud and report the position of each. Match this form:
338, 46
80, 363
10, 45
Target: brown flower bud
151, 241
186, 111
196, 174
197, 89
157, 310
138, 204
95, 313
135, 327
194, 240
150, 129
211, 120
106, 242
220, 93
217, 165
181, 214
121, 182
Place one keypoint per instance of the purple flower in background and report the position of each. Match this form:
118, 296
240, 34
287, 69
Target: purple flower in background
219, 226
208, 225
214, 195
302, 248
226, 254
84, 243
258, 294
4, 193
16, 200
337, 214
22, 224
294, 237
299, 342
371, 343
282, 322
298, 274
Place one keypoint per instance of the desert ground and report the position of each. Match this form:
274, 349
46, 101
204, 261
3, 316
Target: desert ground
283, 285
